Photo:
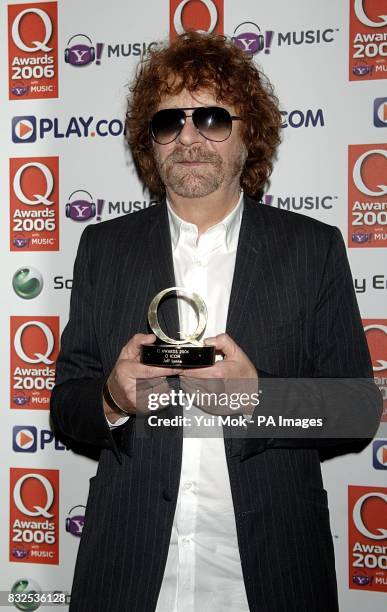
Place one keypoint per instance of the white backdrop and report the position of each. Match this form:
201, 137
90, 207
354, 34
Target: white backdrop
61, 127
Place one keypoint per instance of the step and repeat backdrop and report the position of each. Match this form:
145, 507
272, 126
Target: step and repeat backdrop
65, 69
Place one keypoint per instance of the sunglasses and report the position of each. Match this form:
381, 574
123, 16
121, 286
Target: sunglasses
212, 122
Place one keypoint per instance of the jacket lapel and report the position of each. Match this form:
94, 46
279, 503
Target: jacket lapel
248, 259
160, 249
248, 299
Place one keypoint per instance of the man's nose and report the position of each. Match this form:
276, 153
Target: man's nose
189, 134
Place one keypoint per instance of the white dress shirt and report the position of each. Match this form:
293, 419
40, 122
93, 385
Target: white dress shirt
203, 570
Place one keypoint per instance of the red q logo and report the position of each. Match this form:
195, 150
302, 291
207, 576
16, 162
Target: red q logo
37, 509
36, 45
367, 536
199, 15
358, 516
34, 185
37, 198
33, 50
358, 174
376, 345
363, 17
376, 332
37, 357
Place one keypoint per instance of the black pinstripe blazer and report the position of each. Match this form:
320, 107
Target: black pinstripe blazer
294, 312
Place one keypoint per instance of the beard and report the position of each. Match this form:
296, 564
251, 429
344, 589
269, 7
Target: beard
197, 181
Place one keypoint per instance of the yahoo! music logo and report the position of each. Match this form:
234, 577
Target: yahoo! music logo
251, 39
82, 51
81, 207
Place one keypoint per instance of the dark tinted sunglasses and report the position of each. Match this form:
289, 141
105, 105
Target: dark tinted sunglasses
212, 122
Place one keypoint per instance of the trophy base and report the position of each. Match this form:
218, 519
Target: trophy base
182, 356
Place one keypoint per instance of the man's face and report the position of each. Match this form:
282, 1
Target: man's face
192, 166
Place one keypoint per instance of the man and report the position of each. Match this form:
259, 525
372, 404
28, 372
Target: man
205, 524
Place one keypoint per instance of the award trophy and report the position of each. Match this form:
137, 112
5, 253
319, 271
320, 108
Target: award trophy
188, 352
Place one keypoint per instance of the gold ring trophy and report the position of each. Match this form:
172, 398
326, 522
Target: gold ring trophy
189, 351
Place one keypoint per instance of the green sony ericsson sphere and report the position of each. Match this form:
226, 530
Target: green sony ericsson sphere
27, 282
26, 586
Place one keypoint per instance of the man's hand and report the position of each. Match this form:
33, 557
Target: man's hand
235, 373
235, 363
130, 381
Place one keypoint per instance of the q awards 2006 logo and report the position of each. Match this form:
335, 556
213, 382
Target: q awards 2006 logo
367, 194
34, 349
33, 50
34, 516
376, 334
34, 204
367, 40
199, 15
367, 538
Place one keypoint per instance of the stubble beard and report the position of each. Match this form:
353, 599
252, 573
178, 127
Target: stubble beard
198, 181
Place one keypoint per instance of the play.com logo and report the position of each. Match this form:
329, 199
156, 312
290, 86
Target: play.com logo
28, 128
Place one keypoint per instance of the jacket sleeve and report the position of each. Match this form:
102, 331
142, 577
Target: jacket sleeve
76, 400
340, 356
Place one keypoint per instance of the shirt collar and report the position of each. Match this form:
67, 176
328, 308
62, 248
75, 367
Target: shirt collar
230, 226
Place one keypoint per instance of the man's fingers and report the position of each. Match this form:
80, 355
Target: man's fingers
223, 343
140, 370
128, 368
214, 371
144, 385
146, 371
145, 388
131, 350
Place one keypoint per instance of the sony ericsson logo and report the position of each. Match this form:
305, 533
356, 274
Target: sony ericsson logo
27, 282
25, 588
28, 128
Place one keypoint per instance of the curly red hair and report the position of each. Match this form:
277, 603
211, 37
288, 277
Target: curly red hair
205, 61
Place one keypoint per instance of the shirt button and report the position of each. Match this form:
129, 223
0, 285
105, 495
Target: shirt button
186, 541
188, 485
